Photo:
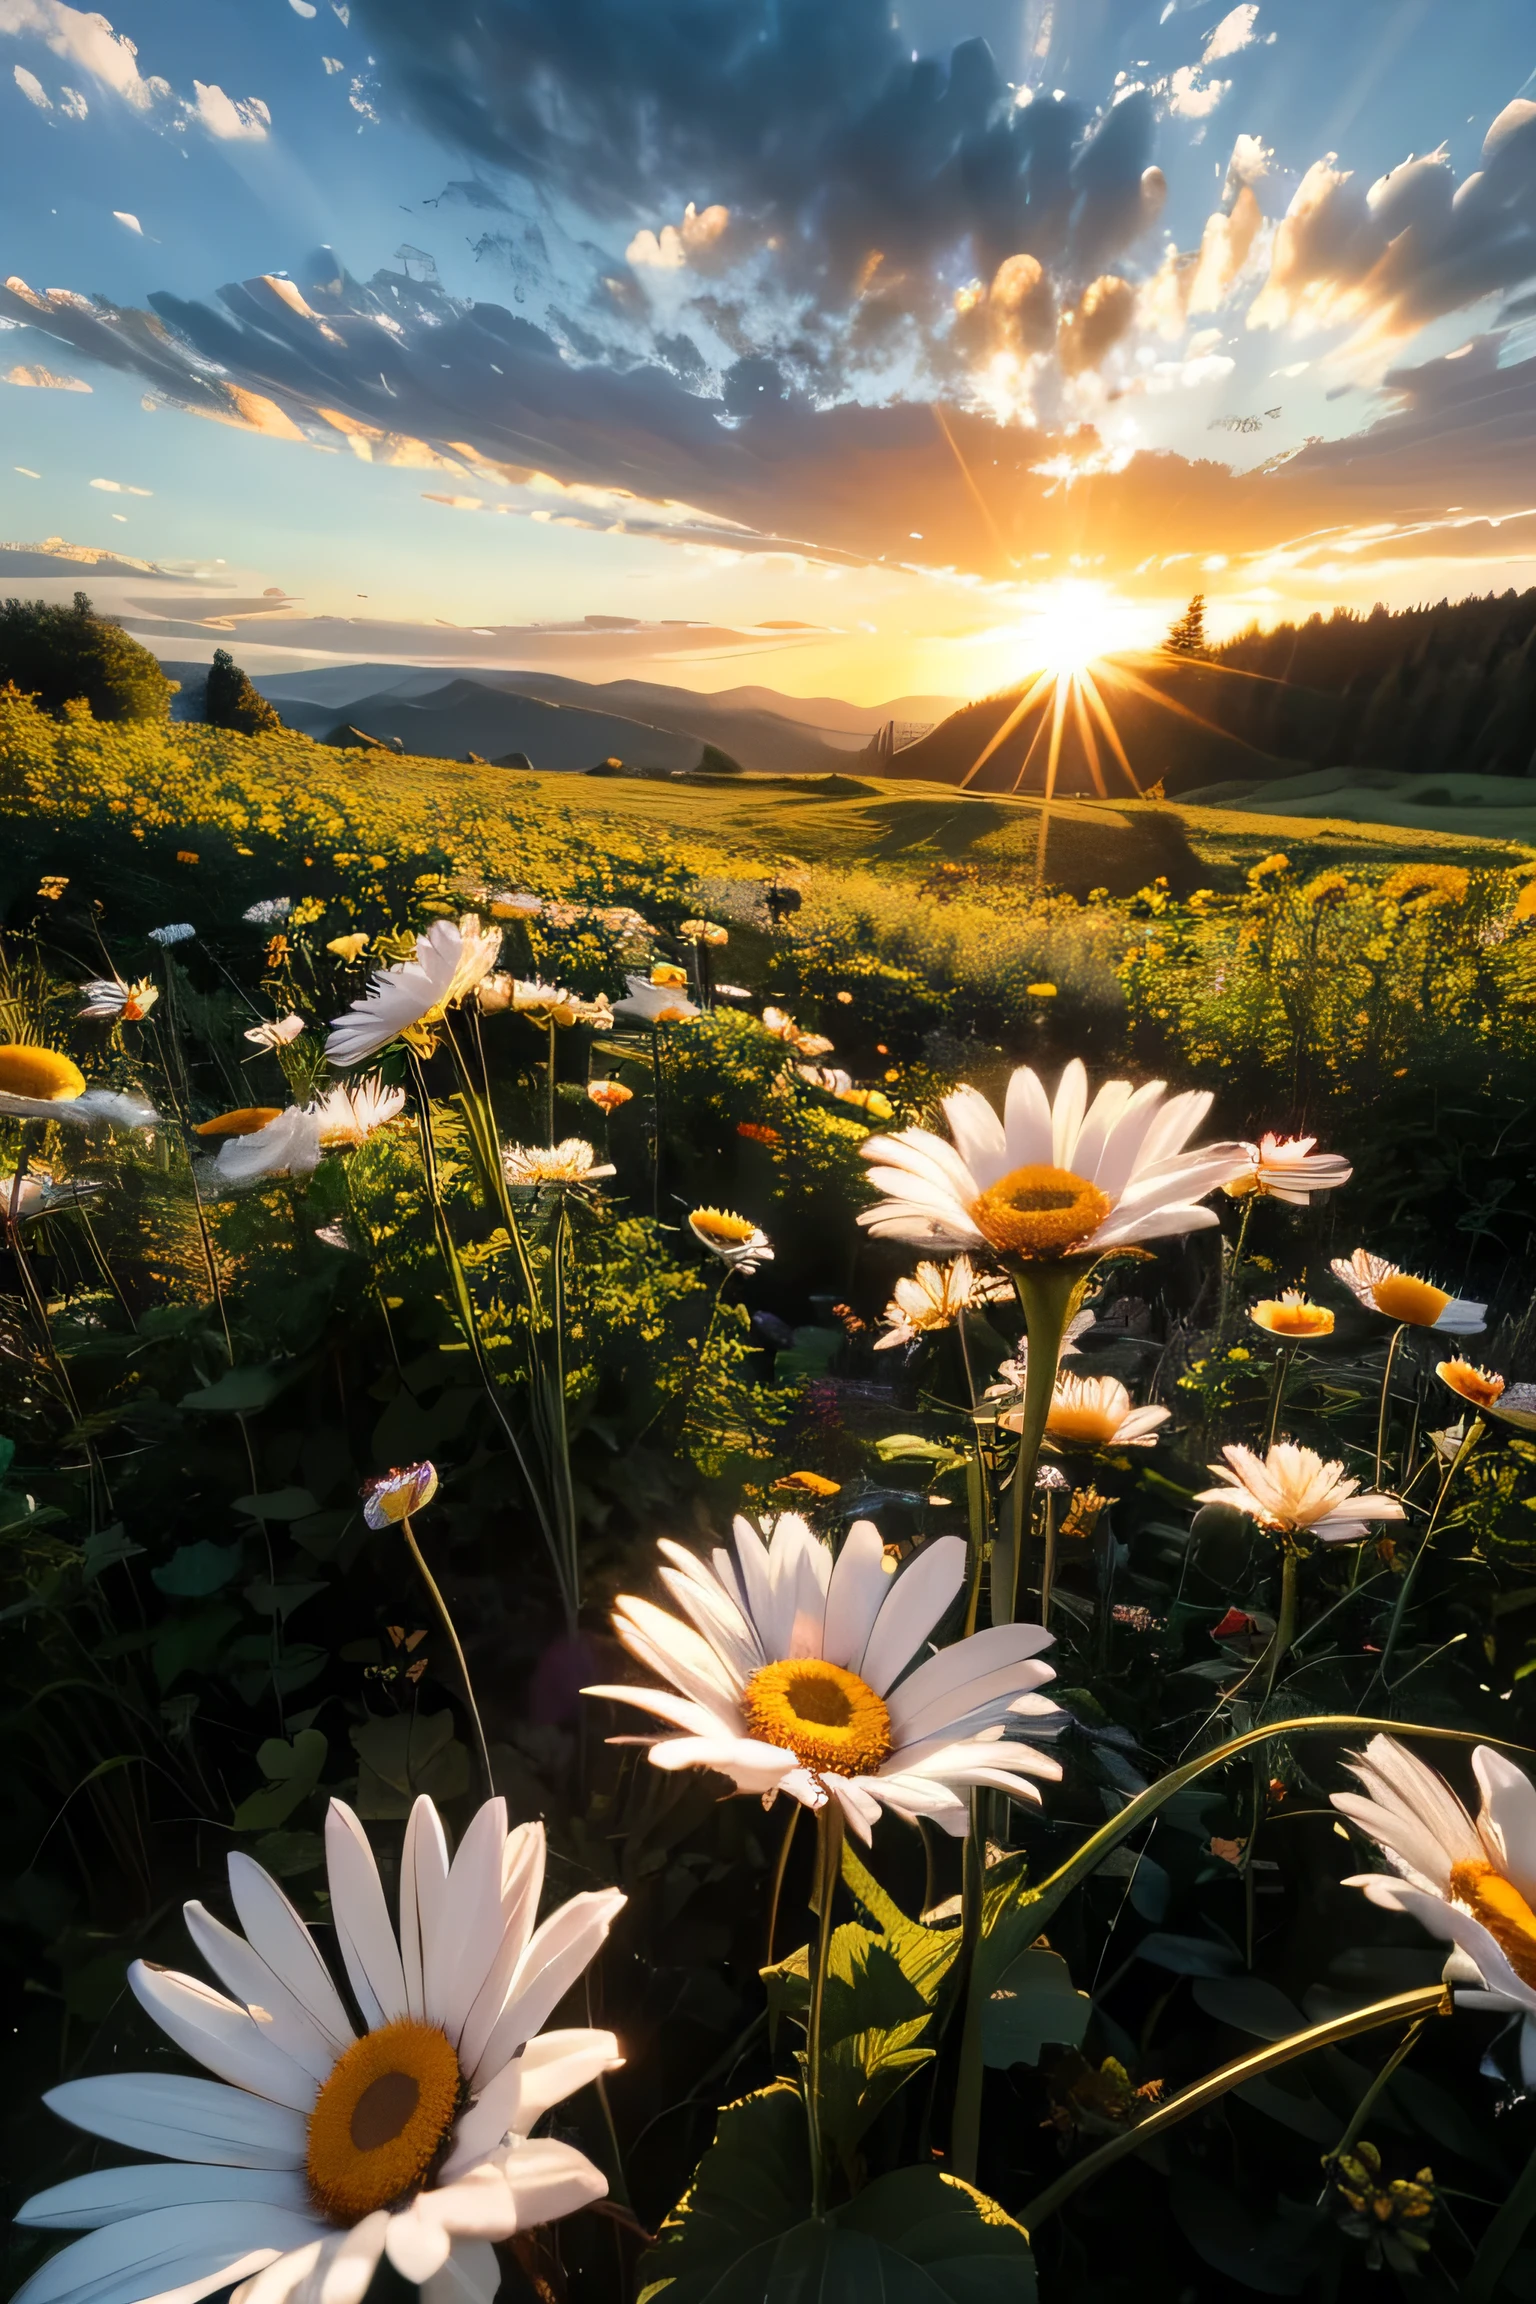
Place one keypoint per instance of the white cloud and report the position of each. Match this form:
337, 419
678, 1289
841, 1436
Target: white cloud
26, 471
46, 380
33, 89
679, 245
120, 488
303, 8
130, 223
230, 122
112, 60
1249, 164
1189, 98
333, 65
1233, 32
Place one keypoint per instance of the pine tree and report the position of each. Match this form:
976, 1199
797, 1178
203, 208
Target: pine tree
231, 701
1186, 636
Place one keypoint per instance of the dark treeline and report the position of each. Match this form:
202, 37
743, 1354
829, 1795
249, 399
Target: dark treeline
1450, 688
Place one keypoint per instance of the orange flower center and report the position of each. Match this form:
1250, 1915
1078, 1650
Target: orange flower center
1474, 1384
831, 1720
248, 1121
41, 1074
1402, 1297
1482, 1890
381, 2119
1081, 1424
1039, 1212
1283, 1318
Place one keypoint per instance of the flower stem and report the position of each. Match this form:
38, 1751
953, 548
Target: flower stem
1384, 1410
1230, 1271
1047, 1295
1400, 1610
829, 1857
1277, 1396
779, 1871
965, 2131
1367, 2103
1048, 1565
549, 1086
1430, 2000
441, 1605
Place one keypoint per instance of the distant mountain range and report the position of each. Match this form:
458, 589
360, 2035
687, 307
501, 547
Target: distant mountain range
559, 723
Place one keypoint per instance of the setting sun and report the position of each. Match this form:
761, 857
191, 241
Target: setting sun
1073, 624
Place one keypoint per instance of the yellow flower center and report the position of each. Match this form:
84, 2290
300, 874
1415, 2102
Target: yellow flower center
1293, 1316
834, 1724
1040, 1212
248, 1121
1484, 1892
1081, 1423
1474, 1384
1402, 1297
39, 1073
718, 1224
381, 2119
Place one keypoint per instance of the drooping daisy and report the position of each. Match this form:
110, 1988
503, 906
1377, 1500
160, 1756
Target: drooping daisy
792, 1675
277, 1033
290, 1143
40, 1084
1094, 1412
1050, 1180
1471, 1883
1288, 1168
407, 999
571, 1162
404, 1489
109, 1001
315, 2152
1401, 1296
736, 1241
1291, 1314
608, 1095
933, 1296
1477, 1385
655, 1003
36, 1194
1291, 1491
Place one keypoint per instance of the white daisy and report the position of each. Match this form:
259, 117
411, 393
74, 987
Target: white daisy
291, 1143
277, 1033
1050, 1180
1292, 1490
109, 1001
1399, 1295
933, 1296
1288, 1168
570, 1162
40, 1084
737, 1241
315, 2152
451, 960
349, 1115
655, 1003
1472, 1883
798, 1675
1094, 1412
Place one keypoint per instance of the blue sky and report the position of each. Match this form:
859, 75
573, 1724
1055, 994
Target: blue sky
913, 324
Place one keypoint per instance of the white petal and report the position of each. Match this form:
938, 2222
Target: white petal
855, 1595
417, 2246
551, 2067
423, 1889
183, 2119
1509, 1804
1067, 1110
361, 1920
948, 1677
978, 1134
919, 1596
344, 2272
1027, 1121
471, 2275
187, 2251
681, 1655
683, 1713
717, 1619
549, 2180
856, 1798
220, 2035
272, 2006
461, 1951
107, 2195
1114, 1133
556, 1955
274, 1929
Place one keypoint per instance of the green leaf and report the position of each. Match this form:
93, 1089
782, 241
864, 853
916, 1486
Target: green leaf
104, 1548
191, 1643
239, 1392
743, 2234
1028, 2002
908, 1447
195, 1570
292, 1772
279, 1504
402, 1757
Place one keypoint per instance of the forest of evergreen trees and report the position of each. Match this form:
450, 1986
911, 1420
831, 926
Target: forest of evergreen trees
1450, 688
